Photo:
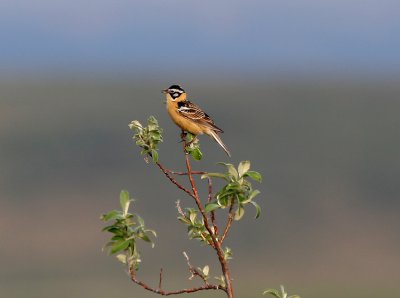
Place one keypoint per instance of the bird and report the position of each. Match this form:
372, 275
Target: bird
190, 117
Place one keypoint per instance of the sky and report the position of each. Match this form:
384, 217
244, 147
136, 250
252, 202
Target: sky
261, 36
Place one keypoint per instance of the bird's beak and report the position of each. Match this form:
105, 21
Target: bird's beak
165, 91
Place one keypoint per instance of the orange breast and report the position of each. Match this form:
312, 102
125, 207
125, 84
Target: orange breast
182, 122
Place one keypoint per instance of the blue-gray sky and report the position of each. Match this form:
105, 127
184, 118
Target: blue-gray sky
218, 37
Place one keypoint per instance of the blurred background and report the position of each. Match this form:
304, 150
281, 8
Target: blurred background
307, 90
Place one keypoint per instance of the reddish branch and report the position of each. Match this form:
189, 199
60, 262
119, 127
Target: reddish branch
217, 244
172, 179
162, 292
185, 173
212, 229
195, 272
228, 223
213, 220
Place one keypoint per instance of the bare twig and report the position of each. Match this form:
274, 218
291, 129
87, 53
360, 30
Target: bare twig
213, 219
185, 173
209, 198
176, 292
172, 179
160, 282
161, 292
194, 270
180, 211
231, 215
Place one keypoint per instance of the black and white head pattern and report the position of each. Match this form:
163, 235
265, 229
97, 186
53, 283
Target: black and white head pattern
175, 91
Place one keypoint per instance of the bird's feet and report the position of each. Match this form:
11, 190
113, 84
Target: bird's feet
183, 136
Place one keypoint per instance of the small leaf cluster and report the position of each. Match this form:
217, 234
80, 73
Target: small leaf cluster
147, 137
221, 280
196, 227
281, 294
238, 191
194, 146
126, 228
205, 271
227, 253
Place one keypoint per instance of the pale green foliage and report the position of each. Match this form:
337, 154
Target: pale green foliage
238, 191
235, 195
126, 228
194, 148
147, 137
281, 294
227, 253
221, 280
195, 223
205, 271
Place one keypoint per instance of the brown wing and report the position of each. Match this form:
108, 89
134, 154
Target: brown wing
194, 113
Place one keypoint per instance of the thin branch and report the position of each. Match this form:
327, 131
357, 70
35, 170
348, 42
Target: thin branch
160, 282
161, 292
180, 211
231, 215
213, 219
185, 173
172, 179
194, 271
217, 244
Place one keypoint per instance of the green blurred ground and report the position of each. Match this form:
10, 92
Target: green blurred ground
329, 153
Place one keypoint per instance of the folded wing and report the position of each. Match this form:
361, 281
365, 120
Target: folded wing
194, 113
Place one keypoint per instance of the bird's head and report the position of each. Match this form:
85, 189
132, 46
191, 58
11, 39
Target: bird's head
175, 93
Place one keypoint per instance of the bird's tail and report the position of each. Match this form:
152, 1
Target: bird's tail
219, 141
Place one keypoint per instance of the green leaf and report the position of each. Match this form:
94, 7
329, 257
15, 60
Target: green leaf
124, 201
251, 196
206, 270
155, 135
211, 206
244, 166
217, 175
192, 217
253, 175
114, 214
121, 258
221, 280
152, 123
227, 253
239, 213
135, 124
144, 237
140, 220
112, 229
154, 155
233, 186
117, 238
152, 232
184, 220
196, 153
231, 170
119, 246
258, 208
272, 292
294, 296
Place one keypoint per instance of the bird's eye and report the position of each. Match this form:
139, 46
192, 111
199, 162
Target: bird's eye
175, 94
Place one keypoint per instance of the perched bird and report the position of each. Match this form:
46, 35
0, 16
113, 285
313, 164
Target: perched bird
189, 117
